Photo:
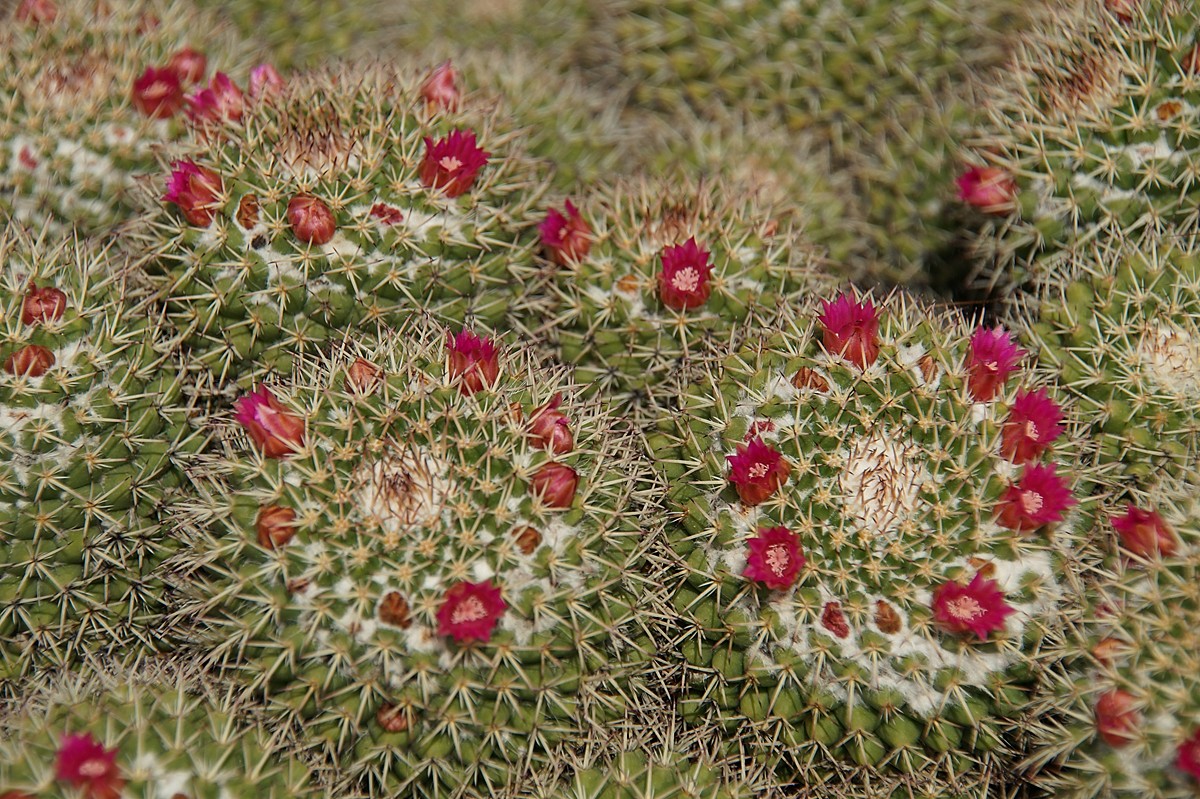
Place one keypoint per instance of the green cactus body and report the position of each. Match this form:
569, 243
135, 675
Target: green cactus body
1126, 707
893, 487
637, 775
92, 426
1120, 331
405, 488
300, 33
607, 307
246, 289
1100, 135
169, 735
71, 137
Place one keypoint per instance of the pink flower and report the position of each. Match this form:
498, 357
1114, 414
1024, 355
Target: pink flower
757, 471
37, 11
264, 80
993, 357
555, 483
1144, 534
1188, 757
1032, 425
158, 93
549, 428
567, 238
43, 305
221, 101
474, 359
1116, 719
32, 360
440, 89
188, 64
774, 558
85, 763
311, 219
851, 330
977, 607
451, 163
1037, 499
196, 190
274, 427
683, 281
988, 188
469, 611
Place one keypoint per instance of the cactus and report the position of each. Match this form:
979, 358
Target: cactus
343, 198
1120, 332
429, 555
141, 732
1095, 135
1122, 718
634, 775
88, 91
299, 34
647, 275
93, 430
863, 571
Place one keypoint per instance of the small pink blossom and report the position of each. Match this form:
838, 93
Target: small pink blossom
196, 190
757, 471
270, 423
452, 163
158, 92
188, 64
555, 484
84, 763
550, 429
566, 237
311, 219
440, 89
683, 282
264, 80
474, 360
1116, 718
851, 330
977, 607
774, 558
1038, 498
1033, 424
221, 101
469, 611
1144, 534
993, 357
1187, 758
990, 189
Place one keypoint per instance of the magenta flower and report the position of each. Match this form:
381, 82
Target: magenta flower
264, 80
1188, 757
1038, 498
851, 330
196, 190
567, 238
271, 424
84, 763
757, 471
189, 64
220, 102
992, 359
451, 163
440, 89
1144, 533
774, 558
469, 611
1032, 425
683, 282
158, 92
988, 188
550, 429
474, 359
1116, 719
977, 607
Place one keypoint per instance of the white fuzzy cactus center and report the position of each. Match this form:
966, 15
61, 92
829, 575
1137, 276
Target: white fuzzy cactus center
1171, 356
403, 490
686, 279
881, 481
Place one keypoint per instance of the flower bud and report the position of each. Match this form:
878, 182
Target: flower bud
363, 376
566, 237
474, 360
274, 428
43, 305
37, 11
311, 219
158, 93
276, 525
190, 65
549, 428
555, 484
30, 361
264, 80
988, 188
196, 190
440, 89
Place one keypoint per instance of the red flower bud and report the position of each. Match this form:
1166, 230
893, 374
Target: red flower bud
30, 361
549, 428
275, 526
363, 376
440, 89
311, 219
196, 190
158, 93
1191, 61
43, 305
1123, 10
851, 329
1116, 720
452, 163
189, 65
270, 423
1144, 533
221, 101
555, 483
567, 238
474, 359
1188, 757
37, 11
264, 80
989, 188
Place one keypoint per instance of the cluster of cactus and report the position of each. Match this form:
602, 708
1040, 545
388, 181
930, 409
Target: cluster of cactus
89, 90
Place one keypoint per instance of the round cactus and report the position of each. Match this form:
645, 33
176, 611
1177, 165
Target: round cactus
141, 733
344, 197
1123, 717
88, 91
1120, 331
428, 552
92, 426
647, 275
300, 33
635, 775
1092, 141
865, 567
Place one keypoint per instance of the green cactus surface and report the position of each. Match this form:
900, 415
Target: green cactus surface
878, 491
93, 432
331, 575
